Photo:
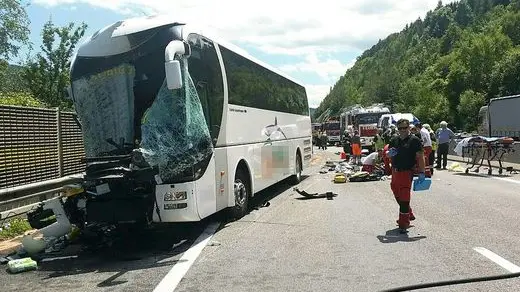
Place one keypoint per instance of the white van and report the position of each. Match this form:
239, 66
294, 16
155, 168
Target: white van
387, 119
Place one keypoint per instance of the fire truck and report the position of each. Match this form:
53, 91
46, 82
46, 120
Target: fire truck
364, 120
332, 129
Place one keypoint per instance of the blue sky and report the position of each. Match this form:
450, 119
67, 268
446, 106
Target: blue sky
315, 47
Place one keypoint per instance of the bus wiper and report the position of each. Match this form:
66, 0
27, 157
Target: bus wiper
122, 148
453, 282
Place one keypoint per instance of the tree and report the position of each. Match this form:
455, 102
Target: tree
11, 79
470, 103
47, 74
14, 28
505, 78
463, 15
510, 25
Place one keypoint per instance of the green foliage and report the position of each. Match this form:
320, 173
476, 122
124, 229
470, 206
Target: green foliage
14, 28
470, 104
441, 68
47, 74
13, 228
19, 98
11, 78
505, 77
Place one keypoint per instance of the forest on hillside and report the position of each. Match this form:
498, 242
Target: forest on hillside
443, 67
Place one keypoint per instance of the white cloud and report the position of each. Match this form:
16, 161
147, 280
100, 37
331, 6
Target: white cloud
288, 28
329, 70
316, 93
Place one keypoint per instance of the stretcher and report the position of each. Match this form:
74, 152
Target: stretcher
476, 149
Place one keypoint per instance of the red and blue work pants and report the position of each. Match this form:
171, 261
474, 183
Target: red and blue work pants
401, 187
427, 166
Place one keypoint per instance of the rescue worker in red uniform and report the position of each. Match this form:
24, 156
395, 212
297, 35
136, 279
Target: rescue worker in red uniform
386, 160
405, 151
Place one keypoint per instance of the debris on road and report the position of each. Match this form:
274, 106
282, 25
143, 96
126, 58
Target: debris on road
328, 195
348, 171
21, 265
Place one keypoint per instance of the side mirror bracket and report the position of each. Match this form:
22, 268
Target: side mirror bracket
172, 65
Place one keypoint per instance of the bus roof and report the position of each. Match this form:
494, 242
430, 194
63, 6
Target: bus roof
137, 24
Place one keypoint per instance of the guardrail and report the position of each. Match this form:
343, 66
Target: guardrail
18, 200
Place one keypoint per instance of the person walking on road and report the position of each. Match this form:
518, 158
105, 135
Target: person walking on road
427, 147
389, 133
431, 158
324, 141
379, 142
444, 137
356, 147
346, 143
405, 151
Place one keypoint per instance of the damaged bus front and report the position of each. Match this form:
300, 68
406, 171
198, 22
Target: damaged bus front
143, 127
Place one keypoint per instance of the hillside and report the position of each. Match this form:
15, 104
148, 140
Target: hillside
441, 68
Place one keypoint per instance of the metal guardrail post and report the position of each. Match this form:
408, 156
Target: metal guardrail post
59, 141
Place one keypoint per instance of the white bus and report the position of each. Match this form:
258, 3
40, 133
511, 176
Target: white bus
179, 124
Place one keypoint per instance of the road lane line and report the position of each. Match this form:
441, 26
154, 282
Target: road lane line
497, 178
506, 179
498, 259
177, 272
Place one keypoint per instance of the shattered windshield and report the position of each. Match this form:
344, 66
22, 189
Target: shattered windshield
173, 130
105, 105
175, 133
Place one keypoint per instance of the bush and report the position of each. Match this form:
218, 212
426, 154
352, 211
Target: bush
19, 98
13, 228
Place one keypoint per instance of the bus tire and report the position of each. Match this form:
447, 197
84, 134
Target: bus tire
297, 178
242, 193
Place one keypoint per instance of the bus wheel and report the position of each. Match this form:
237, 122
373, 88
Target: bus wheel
241, 192
297, 178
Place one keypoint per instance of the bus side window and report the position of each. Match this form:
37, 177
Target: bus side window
206, 72
202, 90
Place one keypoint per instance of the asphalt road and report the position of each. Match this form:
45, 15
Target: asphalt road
349, 243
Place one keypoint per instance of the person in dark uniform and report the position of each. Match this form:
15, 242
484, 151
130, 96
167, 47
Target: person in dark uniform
346, 143
405, 151
324, 141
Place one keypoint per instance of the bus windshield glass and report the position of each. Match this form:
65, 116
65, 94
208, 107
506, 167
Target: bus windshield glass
332, 126
129, 103
371, 118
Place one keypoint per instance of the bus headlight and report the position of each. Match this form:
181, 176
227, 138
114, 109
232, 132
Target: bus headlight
175, 196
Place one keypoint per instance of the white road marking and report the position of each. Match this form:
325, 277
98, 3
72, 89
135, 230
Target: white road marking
498, 259
506, 179
58, 258
496, 177
175, 275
